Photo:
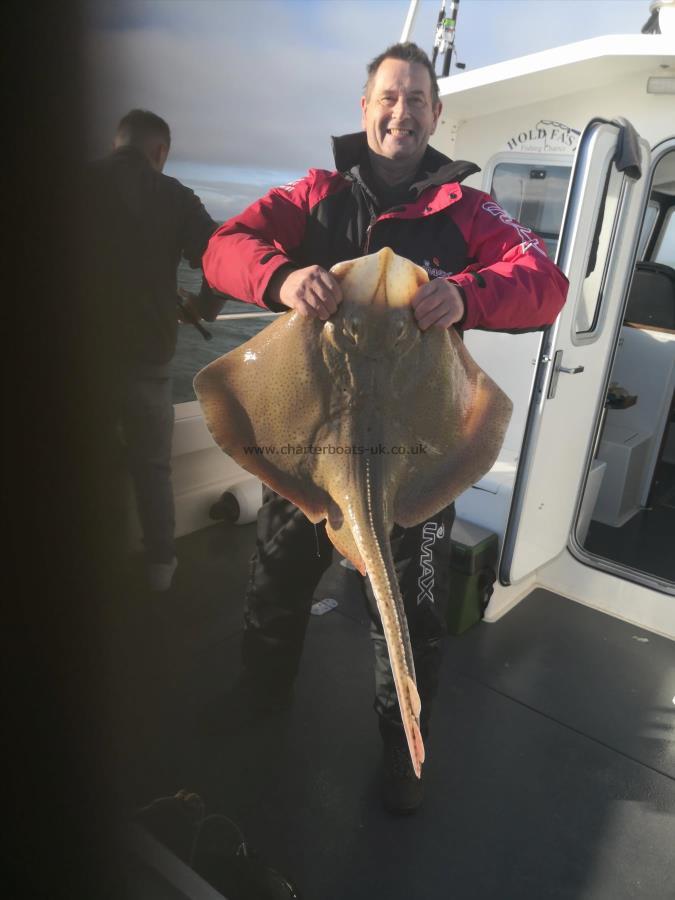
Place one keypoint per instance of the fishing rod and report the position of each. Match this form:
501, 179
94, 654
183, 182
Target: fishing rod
444, 41
226, 317
193, 320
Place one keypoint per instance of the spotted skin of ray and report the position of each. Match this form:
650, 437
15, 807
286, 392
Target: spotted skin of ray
367, 376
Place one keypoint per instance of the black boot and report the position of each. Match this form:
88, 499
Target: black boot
402, 790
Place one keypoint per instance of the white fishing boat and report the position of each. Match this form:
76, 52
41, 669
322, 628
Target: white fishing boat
580, 469
550, 771
551, 765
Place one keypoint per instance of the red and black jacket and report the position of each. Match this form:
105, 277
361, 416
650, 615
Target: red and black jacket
508, 281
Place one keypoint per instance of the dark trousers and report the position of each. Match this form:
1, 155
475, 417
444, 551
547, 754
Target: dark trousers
292, 555
146, 415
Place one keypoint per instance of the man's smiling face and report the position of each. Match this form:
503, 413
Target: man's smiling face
398, 113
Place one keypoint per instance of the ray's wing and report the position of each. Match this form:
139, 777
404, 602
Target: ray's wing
264, 401
341, 537
458, 417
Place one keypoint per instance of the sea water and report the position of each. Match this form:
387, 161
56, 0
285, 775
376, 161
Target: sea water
193, 352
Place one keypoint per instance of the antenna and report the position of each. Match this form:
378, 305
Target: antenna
444, 40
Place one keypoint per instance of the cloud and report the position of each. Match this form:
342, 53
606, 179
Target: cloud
248, 84
263, 85
224, 190
225, 200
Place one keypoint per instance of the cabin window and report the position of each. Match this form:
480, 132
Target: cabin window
534, 194
665, 249
651, 215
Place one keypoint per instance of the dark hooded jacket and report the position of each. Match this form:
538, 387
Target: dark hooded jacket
140, 223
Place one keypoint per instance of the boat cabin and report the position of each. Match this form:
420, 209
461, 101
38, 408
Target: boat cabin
586, 470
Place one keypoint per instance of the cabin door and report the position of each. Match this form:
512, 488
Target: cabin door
598, 240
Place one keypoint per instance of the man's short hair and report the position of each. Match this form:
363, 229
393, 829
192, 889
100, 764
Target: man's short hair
407, 52
141, 125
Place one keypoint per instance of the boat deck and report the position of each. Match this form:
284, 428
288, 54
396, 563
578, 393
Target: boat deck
550, 767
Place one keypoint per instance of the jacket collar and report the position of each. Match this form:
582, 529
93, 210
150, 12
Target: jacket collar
350, 150
131, 153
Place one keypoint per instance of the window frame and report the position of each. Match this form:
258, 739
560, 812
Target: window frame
590, 334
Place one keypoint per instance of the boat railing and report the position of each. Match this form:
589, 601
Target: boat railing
251, 315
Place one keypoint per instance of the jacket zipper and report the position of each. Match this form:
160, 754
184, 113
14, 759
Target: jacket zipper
371, 213
366, 243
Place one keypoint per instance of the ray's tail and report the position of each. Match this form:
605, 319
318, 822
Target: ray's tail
371, 535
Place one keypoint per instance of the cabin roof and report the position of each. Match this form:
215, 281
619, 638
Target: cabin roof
560, 70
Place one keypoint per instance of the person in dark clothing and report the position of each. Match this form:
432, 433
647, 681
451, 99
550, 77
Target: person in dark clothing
390, 189
140, 223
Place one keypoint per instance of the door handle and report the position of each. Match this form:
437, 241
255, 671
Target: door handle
557, 369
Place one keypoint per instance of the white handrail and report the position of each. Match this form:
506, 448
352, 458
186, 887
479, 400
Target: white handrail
410, 20
256, 315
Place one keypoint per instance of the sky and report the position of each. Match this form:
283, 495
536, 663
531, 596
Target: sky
253, 89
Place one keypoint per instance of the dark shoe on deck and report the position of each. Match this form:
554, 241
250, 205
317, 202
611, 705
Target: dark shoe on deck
159, 575
402, 790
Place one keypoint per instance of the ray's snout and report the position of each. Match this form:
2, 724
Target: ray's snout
376, 315
375, 335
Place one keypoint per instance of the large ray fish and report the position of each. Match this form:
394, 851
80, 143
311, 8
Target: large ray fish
364, 421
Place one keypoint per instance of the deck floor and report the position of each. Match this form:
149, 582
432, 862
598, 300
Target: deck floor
550, 767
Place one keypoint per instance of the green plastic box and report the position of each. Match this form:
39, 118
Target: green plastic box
474, 553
